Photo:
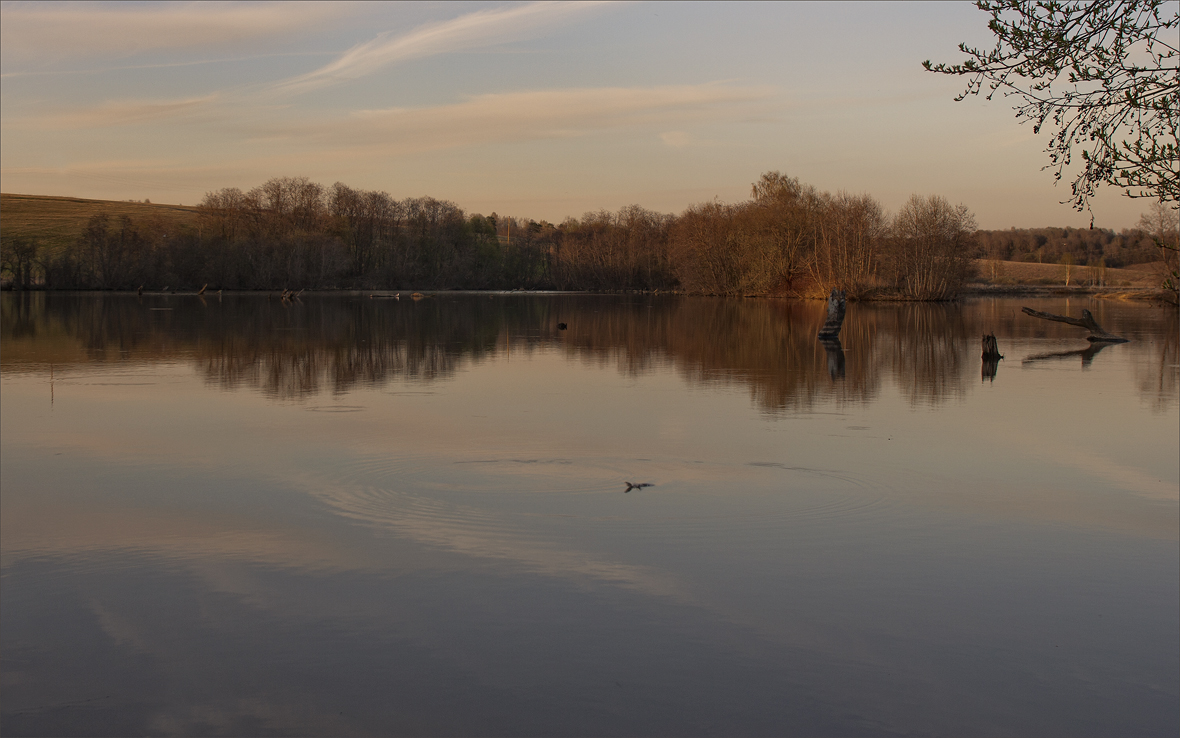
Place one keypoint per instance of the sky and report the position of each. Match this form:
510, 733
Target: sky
537, 110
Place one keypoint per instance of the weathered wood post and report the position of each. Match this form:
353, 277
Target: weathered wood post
991, 357
837, 305
991, 349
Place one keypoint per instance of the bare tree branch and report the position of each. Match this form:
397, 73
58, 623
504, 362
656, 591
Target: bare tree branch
1103, 75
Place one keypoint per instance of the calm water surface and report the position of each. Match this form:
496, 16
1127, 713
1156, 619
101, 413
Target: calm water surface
356, 516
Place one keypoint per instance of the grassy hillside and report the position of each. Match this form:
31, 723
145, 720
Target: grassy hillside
1026, 273
58, 221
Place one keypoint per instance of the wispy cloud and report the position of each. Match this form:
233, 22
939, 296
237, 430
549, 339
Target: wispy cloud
118, 113
73, 30
480, 29
159, 65
532, 115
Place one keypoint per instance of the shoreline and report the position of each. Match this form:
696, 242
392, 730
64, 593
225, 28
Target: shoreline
1146, 294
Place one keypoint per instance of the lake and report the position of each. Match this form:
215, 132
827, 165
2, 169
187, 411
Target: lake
355, 515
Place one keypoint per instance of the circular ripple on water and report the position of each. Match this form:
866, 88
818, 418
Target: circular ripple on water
532, 499
523, 475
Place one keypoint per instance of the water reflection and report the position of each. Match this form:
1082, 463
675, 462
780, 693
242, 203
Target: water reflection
436, 535
989, 367
293, 350
1087, 354
836, 363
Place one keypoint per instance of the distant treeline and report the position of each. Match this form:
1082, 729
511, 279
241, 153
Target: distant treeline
788, 238
1082, 246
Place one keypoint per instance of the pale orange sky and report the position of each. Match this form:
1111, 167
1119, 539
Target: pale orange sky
540, 110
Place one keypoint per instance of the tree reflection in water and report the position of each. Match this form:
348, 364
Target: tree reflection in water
334, 343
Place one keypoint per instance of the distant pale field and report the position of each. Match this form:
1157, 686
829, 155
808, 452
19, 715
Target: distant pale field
58, 221
1021, 272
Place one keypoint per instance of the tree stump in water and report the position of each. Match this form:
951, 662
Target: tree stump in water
837, 304
1097, 332
991, 357
991, 349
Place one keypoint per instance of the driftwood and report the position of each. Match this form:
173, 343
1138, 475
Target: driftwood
837, 304
1097, 332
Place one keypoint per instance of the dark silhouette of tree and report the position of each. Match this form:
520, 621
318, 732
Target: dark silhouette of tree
18, 257
1102, 74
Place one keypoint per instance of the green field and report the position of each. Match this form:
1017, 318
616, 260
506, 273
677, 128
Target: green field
58, 221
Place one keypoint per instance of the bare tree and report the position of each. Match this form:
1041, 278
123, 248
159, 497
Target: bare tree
1102, 74
18, 256
930, 247
220, 214
849, 231
1162, 223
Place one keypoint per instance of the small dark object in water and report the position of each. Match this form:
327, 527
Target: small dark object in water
140, 292
640, 485
991, 358
991, 349
562, 326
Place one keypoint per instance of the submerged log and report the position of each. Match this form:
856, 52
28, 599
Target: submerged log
1097, 332
837, 304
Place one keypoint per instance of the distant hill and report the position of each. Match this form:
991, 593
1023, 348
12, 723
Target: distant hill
1022, 273
58, 221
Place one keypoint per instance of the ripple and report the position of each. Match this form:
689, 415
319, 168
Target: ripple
497, 505
335, 408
